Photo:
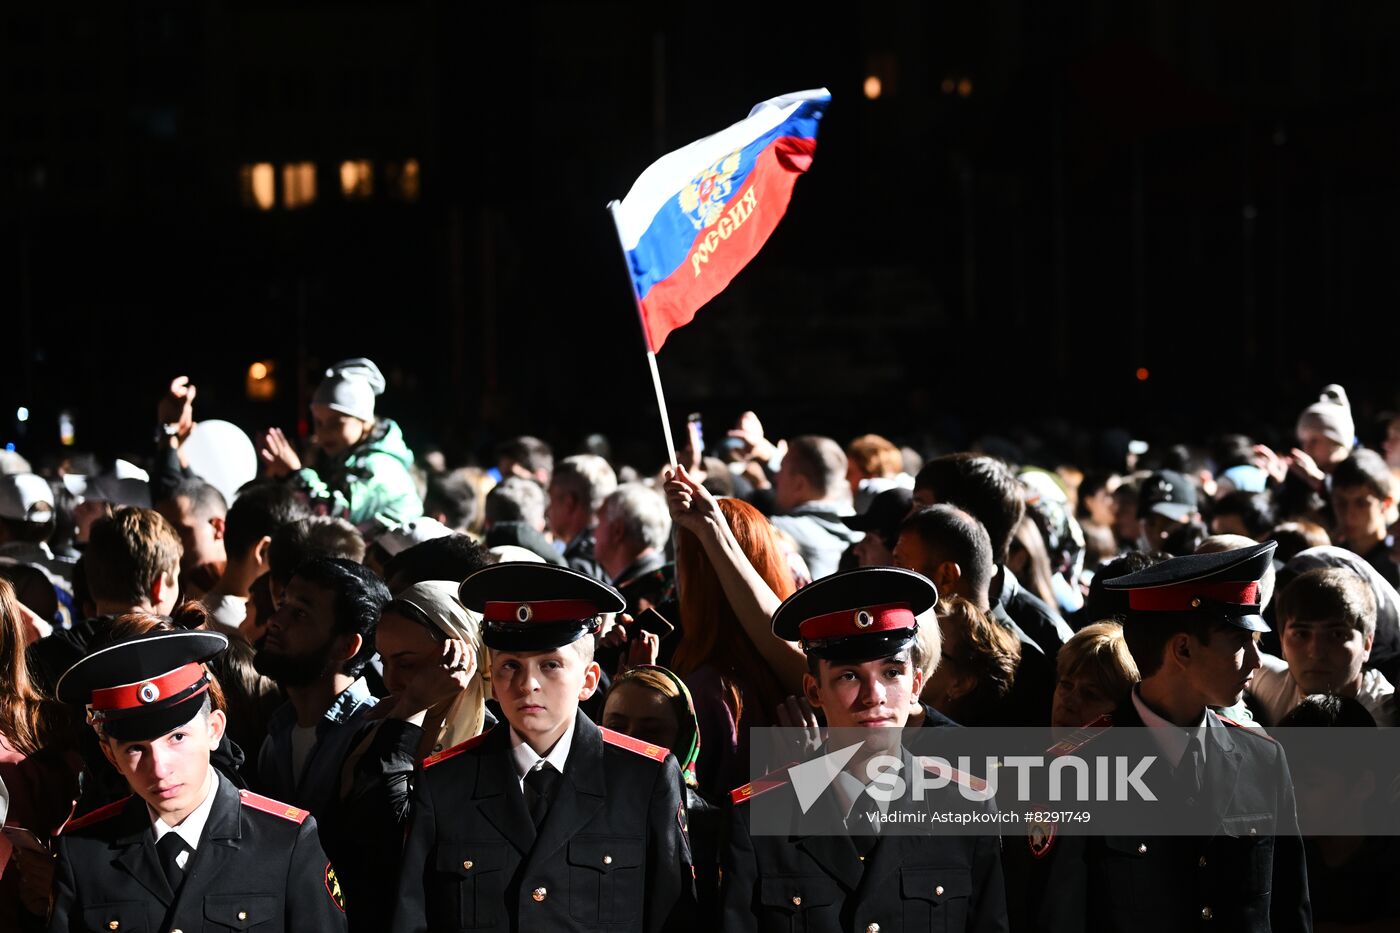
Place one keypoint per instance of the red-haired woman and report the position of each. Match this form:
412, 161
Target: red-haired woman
732, 574
38, 771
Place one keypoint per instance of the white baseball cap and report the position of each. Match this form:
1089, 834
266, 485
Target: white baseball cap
21, 494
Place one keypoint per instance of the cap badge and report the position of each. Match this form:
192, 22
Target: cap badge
148, 693
864, 619
524, 613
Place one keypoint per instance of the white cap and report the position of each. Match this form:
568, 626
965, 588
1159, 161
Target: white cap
411, 532
514, 553
20, 496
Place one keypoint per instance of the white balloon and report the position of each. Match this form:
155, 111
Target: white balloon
222, 455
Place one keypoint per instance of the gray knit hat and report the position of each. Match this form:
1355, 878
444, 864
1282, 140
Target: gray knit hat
350, 387
1330, 416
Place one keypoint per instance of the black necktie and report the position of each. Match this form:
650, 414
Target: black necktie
169, 849
539, 790
864, 824
1190, 776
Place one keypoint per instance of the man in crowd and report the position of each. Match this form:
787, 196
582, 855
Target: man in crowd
576, 492
987, 490
545, 822
1327, 624
526, 457
1166, 502
859, 633
131, 564
1363, 497
198, 512
316, 647
255, 516
812, 495
515, 515
633, 527
187, 849
28, 521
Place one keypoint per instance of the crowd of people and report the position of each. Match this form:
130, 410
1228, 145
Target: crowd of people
524, 694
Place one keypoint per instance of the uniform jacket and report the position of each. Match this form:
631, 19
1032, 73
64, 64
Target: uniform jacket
370, 484
1249, 875
610, 855
258, 866
815, 881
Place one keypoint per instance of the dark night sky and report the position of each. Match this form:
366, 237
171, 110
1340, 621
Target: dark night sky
1206, 193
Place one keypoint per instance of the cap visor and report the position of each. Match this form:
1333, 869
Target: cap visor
1250, 623
152, 724
1176, 511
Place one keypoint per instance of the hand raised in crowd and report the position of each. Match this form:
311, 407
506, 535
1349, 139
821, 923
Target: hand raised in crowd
1306, 467
278, 454
796, 713
692, 506
749, 430
644, 648
176, 407
434, 683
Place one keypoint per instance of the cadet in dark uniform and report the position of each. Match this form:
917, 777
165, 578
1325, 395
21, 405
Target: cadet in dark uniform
188, 850
1192, 627
546, 822
857, 628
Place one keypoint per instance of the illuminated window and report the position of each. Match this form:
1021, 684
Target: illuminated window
357, 178
298, 184
404, 178
259, 186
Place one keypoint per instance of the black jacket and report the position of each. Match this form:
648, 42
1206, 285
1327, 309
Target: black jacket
611, 854
1249, 875
258, 866
812, 879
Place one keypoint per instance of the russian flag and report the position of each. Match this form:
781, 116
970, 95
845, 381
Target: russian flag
697, 216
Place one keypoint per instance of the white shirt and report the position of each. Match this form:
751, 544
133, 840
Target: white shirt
1277, 692
1170, 737
192, 826
525, 759
303, 741
228, 611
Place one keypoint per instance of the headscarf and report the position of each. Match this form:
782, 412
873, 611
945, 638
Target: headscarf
1386, 646
687, 748
349, 387
436, 602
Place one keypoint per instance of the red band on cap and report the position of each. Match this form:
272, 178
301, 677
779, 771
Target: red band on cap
1180, 597
543, 610
871, 619
146, 692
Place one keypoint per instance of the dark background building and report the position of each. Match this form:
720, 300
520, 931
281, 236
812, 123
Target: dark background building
1177, 218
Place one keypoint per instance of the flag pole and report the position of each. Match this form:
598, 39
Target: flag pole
651, 355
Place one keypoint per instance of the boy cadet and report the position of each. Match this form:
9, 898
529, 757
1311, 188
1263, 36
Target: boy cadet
545, 822
858, 629
187, 850
1192, 628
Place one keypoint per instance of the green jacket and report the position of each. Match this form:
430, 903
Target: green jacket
370, 484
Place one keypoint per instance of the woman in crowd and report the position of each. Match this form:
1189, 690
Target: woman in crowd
979, 657
39, 772
365, 472
732, 575
653, 704
1094, 673
433, 662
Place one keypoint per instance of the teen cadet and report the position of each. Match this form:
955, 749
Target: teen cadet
187, 850
858, 631
1192, 628
545, 822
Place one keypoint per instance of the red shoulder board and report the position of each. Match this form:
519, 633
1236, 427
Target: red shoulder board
758, 786
654, 752
1081, 737
959, 777
96, 816
455, 750
1252, 730
276, 807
